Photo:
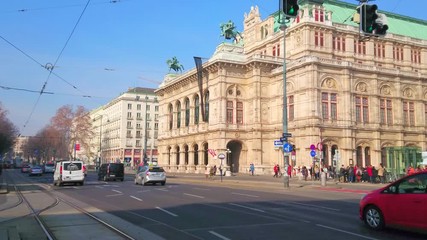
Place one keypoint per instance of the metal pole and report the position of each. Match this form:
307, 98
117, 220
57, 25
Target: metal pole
145, 132
285, 105
100, 143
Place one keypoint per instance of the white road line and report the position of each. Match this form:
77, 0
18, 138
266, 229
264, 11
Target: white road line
253, 209
166, 211
117, 191
343, 231
315, 206
162, 189
243, 194
139, 199
197, 196
219, 235
114, 195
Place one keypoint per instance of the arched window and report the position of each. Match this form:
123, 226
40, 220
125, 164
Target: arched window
207, 106
367, 156
206, 153
170, 116
196, 109
359, 160
178, 114
186, 154
187, 112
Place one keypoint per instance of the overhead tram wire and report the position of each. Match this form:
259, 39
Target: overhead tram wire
53, 66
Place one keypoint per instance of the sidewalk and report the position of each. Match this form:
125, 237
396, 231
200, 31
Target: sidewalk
267, 180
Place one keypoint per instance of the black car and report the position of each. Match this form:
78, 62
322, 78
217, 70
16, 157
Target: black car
111, 171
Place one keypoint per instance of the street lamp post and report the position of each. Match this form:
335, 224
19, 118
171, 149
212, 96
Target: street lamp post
285, 103
145, 132
98, 163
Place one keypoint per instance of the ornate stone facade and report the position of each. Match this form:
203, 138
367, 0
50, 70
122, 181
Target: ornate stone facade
350, 97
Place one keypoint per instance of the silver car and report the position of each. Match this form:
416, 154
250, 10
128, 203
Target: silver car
49, 168
147, 174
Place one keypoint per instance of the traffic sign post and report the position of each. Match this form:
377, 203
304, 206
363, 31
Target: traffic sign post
287, 147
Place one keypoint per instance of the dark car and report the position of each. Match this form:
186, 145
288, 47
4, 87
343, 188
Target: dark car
26, 168
111, 171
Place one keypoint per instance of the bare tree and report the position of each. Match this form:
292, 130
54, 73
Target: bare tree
8, 132
73, 127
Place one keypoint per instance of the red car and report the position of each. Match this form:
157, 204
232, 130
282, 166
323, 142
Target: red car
26, 168
401, 204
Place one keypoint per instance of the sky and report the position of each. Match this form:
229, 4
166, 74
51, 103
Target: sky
100, 48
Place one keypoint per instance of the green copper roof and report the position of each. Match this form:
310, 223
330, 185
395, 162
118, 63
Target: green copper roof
343, 12
402, 25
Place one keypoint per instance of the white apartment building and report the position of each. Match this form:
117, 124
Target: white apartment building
126, 128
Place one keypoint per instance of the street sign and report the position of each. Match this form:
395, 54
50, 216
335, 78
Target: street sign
312, 147
287, 135
312, 153
283, 139
221, 156
287, 147
278, 143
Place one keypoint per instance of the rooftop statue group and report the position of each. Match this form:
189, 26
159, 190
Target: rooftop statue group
227, 31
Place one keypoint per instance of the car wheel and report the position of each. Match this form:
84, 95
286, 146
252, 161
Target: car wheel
163, 183
54, 183
59, 183
122, 179
374, 218
82, 183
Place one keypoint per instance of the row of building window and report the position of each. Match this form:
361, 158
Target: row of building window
329, 110
147, 107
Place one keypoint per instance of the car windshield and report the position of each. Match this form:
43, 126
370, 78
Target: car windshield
72, 166
156, 169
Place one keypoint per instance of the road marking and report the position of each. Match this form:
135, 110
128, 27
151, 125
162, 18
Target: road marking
117, 191
243, 194
114, 195
139, 199
197, 196
162, 189
166, 211
315, 206
254, 209
219, 235
343, 231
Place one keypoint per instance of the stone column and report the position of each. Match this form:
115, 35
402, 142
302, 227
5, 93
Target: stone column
182, 165
191, 167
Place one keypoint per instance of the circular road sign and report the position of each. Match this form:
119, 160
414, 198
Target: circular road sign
312, 147
221, 156
287, 147
312, 153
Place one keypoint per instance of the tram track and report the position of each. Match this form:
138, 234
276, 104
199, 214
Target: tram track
40, 215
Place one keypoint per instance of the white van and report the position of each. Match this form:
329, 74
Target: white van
69, 172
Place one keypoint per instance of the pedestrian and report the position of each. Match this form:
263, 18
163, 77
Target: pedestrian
370, 173
304, 172
381, 171
350, 174
252, 169
289, 171
214, 170
275, 170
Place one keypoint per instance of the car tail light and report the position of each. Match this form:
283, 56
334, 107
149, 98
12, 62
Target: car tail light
148, 173
84, 168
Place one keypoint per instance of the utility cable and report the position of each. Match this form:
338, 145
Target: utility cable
53, 66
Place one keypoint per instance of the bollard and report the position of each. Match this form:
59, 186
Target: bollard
286, 180
323, 178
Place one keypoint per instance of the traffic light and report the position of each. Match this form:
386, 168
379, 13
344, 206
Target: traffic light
368, 17
290, 8
382, 26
